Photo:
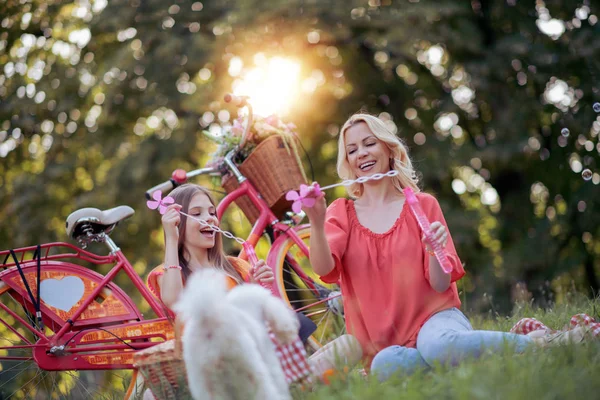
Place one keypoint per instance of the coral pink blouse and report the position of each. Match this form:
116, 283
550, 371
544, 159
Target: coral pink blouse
384, 277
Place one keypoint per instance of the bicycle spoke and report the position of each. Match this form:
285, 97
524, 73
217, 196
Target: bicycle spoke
297, 301
85, 387
42, 375
324, 328
12, 368
27, 313
13, 393
305, 293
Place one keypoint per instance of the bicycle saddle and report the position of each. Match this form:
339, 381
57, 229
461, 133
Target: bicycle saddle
95, 221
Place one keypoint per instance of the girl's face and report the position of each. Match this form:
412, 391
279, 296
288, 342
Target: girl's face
365, 153
198, 236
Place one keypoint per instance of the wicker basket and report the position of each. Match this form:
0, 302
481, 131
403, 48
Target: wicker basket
274, 170
229, 183
163, 368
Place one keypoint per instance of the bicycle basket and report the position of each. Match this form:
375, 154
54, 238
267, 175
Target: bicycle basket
273, 169
164, 371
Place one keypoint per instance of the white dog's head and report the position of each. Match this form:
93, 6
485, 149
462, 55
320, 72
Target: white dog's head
206, 288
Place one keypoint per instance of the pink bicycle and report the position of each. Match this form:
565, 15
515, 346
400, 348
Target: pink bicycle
60, 316
288, 255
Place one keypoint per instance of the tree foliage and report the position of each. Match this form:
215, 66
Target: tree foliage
100, 100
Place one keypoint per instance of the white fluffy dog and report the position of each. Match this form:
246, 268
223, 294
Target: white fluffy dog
226, 346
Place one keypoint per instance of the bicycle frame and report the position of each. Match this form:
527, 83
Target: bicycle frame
266, 218
82, 343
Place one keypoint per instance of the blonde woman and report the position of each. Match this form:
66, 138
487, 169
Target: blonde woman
398, 302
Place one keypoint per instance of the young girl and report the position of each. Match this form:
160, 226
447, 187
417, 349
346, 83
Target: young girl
190, 246
399, 303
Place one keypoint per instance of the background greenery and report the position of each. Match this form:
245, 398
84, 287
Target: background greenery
101, 100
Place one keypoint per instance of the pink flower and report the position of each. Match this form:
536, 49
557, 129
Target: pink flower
307, 196
238, 128
159, 202
272, 120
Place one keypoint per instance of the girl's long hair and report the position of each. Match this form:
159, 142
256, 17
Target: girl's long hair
216, 256
400, 160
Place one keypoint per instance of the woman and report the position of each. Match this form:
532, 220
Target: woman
399, 303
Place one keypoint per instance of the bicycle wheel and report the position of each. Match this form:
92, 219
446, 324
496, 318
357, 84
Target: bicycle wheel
302, 289
22, 378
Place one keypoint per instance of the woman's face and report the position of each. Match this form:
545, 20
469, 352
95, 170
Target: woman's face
365, 153
198, 236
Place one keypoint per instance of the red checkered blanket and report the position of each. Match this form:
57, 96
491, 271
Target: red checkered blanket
526, 325
293, 360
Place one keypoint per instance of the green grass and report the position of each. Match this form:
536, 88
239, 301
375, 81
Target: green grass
566, 372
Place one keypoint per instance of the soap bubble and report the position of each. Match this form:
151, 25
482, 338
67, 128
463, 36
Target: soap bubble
596, 107
565, 132
586, 174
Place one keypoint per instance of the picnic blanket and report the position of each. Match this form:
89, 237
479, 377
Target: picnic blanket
527, 325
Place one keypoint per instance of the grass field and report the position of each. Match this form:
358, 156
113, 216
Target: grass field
566, 372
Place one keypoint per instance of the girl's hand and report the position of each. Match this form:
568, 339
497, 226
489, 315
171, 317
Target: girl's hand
261, 273
316, 213
440, 235
170, 221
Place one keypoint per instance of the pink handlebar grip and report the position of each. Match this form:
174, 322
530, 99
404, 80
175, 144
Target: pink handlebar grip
438, 251
253, 259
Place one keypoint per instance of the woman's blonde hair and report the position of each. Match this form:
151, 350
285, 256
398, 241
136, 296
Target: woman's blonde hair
400, 160
216, 256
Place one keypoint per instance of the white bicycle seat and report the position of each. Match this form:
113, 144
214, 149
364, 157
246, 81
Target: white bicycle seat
100, 220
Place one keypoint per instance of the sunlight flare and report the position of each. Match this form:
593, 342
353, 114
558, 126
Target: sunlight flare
272, 86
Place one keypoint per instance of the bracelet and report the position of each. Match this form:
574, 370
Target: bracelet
172, 267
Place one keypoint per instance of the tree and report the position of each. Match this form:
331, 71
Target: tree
100, 100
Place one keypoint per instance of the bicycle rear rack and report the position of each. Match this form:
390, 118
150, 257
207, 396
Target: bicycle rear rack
50, 252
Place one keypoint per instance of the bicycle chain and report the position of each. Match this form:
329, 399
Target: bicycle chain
363, 179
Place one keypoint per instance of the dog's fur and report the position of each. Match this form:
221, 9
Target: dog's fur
226, 346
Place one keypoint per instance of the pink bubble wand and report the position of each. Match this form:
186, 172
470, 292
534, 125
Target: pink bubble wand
307, 195
440, 253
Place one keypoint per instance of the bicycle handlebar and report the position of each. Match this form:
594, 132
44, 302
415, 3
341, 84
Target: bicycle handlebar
163, 187
238, 101
179, 177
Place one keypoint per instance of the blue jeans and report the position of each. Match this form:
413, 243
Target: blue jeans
447, 337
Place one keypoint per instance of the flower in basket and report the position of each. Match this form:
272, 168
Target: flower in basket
261, 129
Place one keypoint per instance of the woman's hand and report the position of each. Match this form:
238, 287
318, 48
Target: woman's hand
170, 222
440, 235
261, 273
316, 213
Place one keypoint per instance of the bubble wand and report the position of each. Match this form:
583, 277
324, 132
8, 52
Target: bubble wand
440, 253
307, 198
307, 195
